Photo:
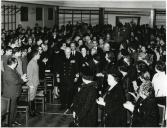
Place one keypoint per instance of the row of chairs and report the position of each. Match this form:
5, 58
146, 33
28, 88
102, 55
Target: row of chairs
46, 86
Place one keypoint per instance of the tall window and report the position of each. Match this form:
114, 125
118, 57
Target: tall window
38, 14
24, 13
50, 13
74, 16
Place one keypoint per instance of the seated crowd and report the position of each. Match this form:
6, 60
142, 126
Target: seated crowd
120, 70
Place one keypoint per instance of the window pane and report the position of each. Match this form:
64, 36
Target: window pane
24, 13
85, 18
38, 13
76, 18
50, 13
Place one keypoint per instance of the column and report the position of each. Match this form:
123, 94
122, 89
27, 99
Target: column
152, 18
101, 16
57, 16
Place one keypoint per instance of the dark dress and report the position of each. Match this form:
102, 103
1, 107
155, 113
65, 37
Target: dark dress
145, 113
115, 114
85, 105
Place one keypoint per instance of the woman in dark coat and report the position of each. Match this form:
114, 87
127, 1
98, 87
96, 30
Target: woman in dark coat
85, 107
115, 114
145, 111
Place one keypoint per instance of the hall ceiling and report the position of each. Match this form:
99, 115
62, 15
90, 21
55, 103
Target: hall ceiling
148, 4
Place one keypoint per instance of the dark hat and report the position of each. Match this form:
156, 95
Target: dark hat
124, 52
86, 72
97, 57
122, 66
116, 74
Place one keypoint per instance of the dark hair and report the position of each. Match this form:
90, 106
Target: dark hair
16, 49
142, 66
96, 57
145, 75
24, 48
2, 47
123, 67
160, 65
111, 56
34, 53
116, 74
124, 52
86, 72
8, 48
11, 60
83, 46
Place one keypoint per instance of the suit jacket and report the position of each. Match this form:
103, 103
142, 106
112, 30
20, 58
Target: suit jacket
33, 73
77, 57
85, 105
145, 113
11, 83
4, 59
67, 68
127, 87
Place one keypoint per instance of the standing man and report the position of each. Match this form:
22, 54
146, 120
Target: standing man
8, 53
33, 77
75, 54
67, 76
17, 54
12, 87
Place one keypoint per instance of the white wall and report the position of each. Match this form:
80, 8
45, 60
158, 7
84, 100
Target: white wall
105, 3
32, 15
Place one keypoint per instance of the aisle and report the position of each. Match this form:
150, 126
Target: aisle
53, 117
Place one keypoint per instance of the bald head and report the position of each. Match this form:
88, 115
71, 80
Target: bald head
67, 52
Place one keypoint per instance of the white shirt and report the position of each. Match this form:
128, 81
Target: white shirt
159, 82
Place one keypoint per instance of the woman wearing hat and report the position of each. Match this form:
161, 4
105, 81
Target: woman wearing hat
113, 100
145, 111
85, 107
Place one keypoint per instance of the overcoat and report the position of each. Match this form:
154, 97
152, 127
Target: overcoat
85, 105
115, 114
33, 77
145, 113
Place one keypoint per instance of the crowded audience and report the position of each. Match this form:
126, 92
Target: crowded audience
120, 70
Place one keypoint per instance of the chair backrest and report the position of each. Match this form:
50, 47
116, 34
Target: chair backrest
5, 105
25, 96
161, 114
49, 79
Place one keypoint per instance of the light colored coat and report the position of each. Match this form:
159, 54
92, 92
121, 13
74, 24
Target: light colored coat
19, 67
33, 77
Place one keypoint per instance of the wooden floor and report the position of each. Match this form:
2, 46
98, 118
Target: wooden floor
53, 117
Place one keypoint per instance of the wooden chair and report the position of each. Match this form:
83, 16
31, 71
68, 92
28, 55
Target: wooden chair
5, 111
49, 83
161, 115
40, 99
23, 103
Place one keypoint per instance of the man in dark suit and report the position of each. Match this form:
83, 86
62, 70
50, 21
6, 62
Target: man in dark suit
67, 75
12, 86
8, 53
75, 54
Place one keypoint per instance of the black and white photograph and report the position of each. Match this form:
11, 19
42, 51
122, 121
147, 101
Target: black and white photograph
83, 63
